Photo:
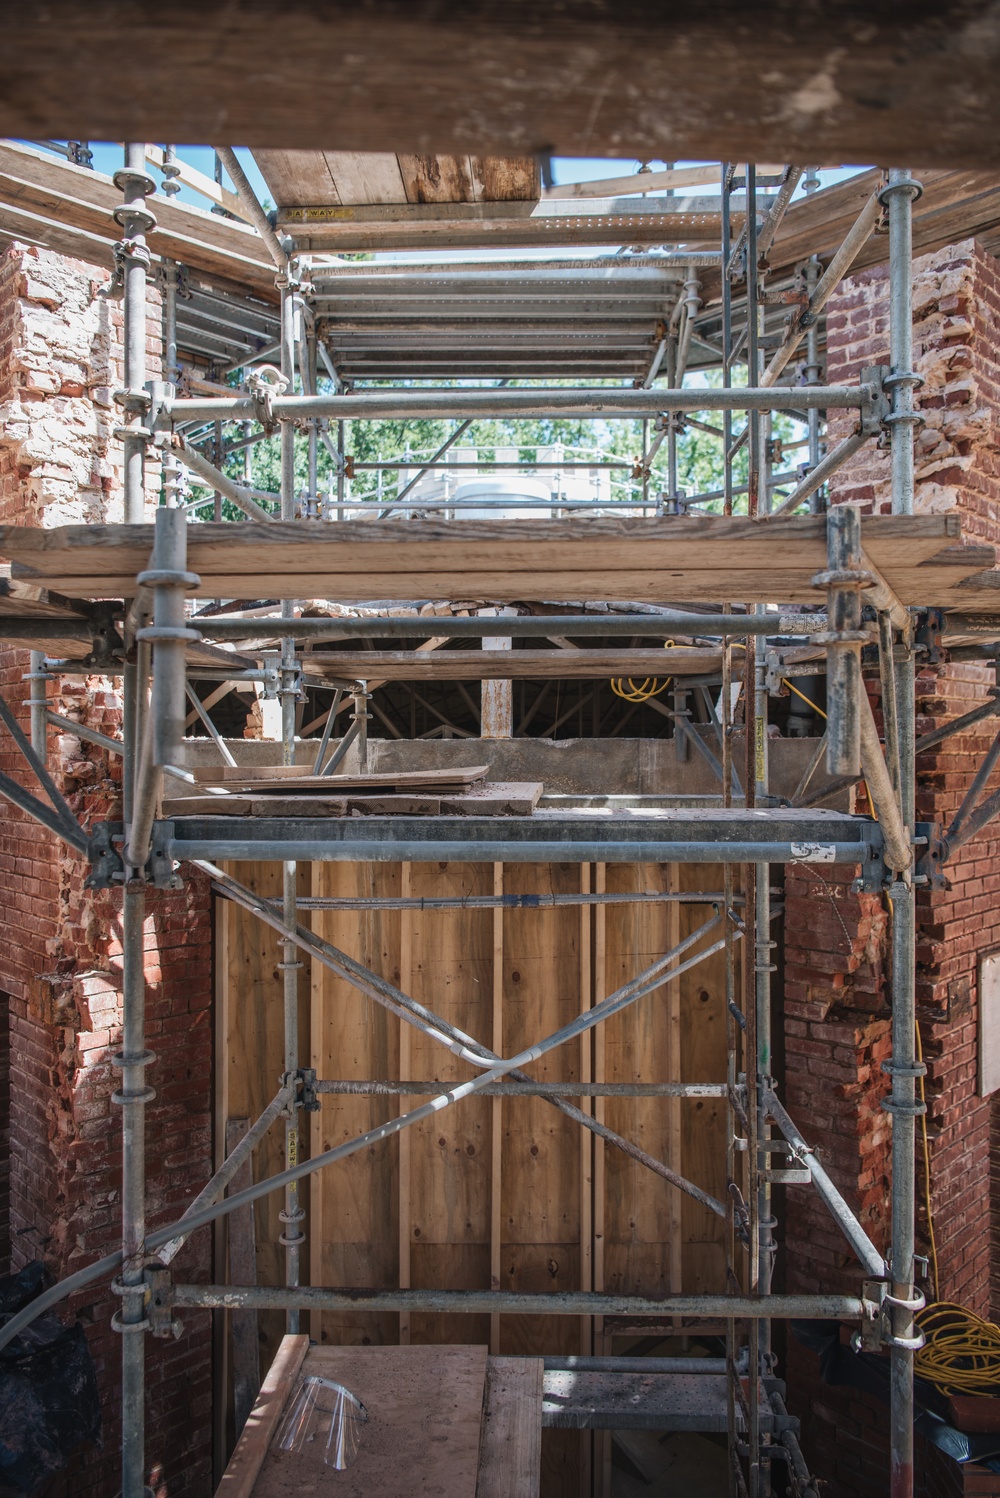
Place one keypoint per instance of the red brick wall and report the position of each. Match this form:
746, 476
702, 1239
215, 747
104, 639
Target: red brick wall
60, 949
836, 1001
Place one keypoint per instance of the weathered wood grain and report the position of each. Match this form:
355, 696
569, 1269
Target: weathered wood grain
772, 81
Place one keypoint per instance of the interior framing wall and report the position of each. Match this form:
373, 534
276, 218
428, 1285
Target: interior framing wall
501, 1193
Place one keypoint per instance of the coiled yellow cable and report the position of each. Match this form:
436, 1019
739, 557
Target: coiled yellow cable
651, 687
962, 1353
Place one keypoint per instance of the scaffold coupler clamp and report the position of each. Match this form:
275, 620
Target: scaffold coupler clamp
910, 1305
305, 1077
159, 1305
876, 407
264, 383
843, 581
133, 1313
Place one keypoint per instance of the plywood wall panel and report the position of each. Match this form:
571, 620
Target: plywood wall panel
354, 1227
703, 1059
251, 1060
450, 1159
509, 1192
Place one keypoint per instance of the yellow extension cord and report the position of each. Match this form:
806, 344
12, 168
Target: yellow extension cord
962, 1354
651, 687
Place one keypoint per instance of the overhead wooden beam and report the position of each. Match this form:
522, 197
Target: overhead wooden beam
711, 559
768, 79
515, 665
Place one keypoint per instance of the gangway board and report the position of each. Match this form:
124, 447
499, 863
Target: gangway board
442, 1420
708, 559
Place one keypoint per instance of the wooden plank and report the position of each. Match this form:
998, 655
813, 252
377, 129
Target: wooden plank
366, 177
542, 1162
297, 176
637, 1047
35, 181
493, 799
422, 1434
436, 179
451, 1154
496, 1119
252, 1057
357, 1039
510, 1449
502, 179
405, 1070
242, 1271
685, 176
763, 585
519, 665
478, 76
293, 777
675, 1044
240, 1476
703, 1120
667, 546
198, 182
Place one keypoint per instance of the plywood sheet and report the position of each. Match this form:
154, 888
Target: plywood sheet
424, 1406
353, 1232
638, 1209
451, 972
703, 1120
251, 1036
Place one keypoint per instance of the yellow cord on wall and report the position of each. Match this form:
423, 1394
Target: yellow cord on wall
651, 687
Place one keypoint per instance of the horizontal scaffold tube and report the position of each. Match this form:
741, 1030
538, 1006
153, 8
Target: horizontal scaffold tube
480, 848
510, 1303
354, 1088
477, 404
524, 626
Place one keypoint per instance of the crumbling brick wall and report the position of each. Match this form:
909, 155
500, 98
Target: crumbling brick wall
60, 951
836, 998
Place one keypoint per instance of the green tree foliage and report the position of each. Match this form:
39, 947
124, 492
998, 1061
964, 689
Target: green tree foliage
699, 453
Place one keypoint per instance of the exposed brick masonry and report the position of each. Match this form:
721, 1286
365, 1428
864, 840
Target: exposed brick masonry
60, 953
836, 1003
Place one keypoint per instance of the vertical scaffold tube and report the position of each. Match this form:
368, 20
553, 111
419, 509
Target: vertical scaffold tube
292, 1216
902, 1104
135, 219
843, 649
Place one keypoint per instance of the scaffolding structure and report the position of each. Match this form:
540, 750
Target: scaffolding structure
745, 832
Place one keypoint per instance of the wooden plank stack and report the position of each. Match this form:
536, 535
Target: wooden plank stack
292, 791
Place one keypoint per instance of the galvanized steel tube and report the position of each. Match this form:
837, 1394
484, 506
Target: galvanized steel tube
474, 404
508, 1303
899, 196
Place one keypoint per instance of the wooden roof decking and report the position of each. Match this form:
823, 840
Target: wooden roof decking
355, 177
677, 559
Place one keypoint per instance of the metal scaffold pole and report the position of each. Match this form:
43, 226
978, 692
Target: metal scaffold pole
904, 1067
133, 262
292, 1215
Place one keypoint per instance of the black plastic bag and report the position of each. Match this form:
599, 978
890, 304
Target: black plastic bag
49, 1400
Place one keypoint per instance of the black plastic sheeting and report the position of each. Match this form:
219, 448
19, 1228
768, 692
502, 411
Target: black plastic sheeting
869, 1372
49, 1401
